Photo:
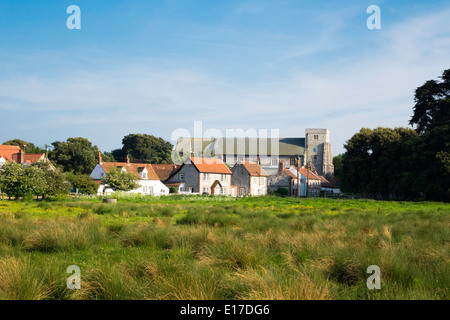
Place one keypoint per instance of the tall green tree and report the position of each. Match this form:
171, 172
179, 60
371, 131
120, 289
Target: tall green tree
14, 181
145, 148
337, 163
82, 183
120, 180
55, 181
373, 162
426, 165
432, 104
77, 155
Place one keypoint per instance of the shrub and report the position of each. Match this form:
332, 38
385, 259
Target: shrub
282, 191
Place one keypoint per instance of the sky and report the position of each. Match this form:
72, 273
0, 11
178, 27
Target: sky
155, 66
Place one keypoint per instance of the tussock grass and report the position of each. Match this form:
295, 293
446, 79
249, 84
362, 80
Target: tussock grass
224, 248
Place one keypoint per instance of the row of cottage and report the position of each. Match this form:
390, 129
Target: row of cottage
212, 176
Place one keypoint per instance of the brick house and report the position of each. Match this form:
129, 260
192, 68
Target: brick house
15, 153
204, 176
249, 179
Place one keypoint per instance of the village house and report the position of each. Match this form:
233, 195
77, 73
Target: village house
15, 154
314, 148
249, 179
164, 172
310, 183
149, 182
331, 187
203, 176
282, 179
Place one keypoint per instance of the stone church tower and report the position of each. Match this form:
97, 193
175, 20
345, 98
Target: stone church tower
318, 151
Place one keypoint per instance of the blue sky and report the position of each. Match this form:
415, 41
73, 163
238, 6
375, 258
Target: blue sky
159, 65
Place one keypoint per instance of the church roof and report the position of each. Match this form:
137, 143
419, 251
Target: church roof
244, 146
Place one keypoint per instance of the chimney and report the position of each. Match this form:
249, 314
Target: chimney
280, 166
100, 160
128, 160
257, 160
20, 156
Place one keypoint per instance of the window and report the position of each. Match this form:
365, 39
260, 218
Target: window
223, 177
293, 162
316, 137
261, 180
205, 190
191, 189
224, 191
150, 190
145, 189
205, 177
144, 175
181, 176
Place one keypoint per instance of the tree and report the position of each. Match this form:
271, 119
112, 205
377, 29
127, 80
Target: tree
432, 104
76, 154
145, 148
120, 180
374, 160
337, 163
82, 183
426, 167
55, 181
14, 181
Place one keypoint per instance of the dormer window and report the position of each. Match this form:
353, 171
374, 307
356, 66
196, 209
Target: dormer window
143, 173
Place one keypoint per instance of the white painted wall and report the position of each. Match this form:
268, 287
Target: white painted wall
146, 187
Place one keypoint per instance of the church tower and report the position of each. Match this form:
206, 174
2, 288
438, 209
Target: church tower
318, 151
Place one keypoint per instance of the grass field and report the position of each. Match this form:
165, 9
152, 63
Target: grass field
223, 248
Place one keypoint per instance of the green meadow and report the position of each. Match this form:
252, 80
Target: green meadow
201, 247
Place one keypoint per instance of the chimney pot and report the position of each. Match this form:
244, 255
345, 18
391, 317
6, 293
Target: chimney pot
280, 166
20, 157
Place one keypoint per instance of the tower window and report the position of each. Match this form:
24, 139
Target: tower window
316, 137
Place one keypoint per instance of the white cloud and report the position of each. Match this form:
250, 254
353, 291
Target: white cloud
375, 89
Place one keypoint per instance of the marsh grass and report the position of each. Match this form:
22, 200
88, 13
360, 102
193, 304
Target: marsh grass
222, 248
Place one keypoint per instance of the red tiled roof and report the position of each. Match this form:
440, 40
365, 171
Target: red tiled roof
311, 174
290, 174
324, 182
134, 168
210, 165
254, 169
8, 151
173, 184
164, 171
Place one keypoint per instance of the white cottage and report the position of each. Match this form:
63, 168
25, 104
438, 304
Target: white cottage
149, 182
